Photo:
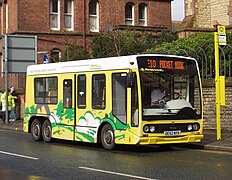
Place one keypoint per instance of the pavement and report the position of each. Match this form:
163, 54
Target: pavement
209, 142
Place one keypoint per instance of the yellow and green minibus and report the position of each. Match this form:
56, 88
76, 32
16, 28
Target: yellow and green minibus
109, 101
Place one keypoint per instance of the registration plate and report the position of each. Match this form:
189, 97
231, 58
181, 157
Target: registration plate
172, 133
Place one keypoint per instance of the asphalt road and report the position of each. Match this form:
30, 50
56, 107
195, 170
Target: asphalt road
21, 157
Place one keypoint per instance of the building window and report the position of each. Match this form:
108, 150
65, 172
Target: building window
68, 15
55, 55
93, 16
55, 14
129, 14
142, 15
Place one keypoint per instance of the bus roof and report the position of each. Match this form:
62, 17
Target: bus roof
110, 63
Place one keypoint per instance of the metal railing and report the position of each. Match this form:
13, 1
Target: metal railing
206, 60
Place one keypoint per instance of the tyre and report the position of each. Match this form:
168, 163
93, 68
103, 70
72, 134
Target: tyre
107, 137
47, 131
36, 130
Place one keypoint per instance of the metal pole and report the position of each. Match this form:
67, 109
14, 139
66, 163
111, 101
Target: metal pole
36, 50
217, 85
6, 77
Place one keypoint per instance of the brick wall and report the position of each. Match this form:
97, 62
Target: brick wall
203, 14
219, 11
159, 14
189, 7
34, 15
210, 108
48, 42
12, 15
205, 11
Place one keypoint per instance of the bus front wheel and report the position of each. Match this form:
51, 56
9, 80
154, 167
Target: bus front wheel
47, 131
36, 130
107, 137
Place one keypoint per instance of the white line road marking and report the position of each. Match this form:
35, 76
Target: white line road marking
18, 155
116, 173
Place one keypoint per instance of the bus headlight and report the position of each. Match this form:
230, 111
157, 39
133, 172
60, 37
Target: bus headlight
196, 127
146, 128
152, 129
190, 127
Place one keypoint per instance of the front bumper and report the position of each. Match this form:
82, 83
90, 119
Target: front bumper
170, 140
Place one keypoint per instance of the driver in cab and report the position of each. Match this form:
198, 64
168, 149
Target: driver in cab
159, 94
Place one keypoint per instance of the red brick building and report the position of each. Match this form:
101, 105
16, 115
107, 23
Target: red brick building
59, 23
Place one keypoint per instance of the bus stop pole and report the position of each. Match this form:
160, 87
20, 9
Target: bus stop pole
217, 85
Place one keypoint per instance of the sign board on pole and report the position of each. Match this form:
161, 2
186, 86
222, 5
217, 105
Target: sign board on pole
222, 91
18, 52
21, 52
45, 59
222, 35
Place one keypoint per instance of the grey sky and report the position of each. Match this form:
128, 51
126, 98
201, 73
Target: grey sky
178, 10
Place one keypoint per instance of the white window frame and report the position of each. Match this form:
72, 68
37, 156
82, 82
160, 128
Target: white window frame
71, 14
55, 14
143, 22
95, 18
130, 20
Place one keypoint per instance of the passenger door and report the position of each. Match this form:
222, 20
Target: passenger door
90, 105
64, 114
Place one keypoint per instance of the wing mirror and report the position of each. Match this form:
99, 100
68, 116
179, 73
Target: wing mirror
130, 81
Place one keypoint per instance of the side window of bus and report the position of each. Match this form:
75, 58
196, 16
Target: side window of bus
81, 97
119, 96
67, 93
98, 91
46, 90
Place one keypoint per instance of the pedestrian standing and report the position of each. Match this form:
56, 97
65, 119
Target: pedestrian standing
11, 104
14, 94
0, 105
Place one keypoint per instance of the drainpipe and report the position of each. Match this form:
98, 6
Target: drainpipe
84, 24
2, 18
7, 18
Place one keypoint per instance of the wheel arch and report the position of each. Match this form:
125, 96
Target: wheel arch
104, 122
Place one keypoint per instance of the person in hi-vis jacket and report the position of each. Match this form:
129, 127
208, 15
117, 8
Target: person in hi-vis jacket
11, 104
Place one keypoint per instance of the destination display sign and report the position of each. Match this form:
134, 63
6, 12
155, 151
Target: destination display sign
164, 63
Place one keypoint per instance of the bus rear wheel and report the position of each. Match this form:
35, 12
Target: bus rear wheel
47, 131
107, 137
36, 130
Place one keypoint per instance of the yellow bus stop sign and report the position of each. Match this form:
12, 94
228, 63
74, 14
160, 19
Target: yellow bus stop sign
221, 29
221, 35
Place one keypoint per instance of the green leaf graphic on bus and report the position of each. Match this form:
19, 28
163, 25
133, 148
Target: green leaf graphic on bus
59, 112
121, 137
69, 114
61, 115
119, 124
29, 111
